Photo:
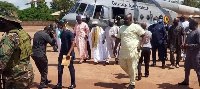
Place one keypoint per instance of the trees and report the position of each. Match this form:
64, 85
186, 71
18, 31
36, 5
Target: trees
62, 5
41, 12
193, 3
5, 7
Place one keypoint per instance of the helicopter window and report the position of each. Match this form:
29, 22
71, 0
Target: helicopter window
98, 12
90, 10
81, 8
74, 8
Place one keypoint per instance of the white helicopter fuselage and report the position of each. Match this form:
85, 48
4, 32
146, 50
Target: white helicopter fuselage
142, 10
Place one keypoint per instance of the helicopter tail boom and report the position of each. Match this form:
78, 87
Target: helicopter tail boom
180, 9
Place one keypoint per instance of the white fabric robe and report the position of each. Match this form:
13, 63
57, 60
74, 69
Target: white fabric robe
110, 40
98, 52
58, 40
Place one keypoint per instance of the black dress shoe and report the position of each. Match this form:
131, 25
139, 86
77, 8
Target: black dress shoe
88, 58
107, 63
43, 86
131, 87
163, 66
72, 86
57, 87
117, 62
85, 60
183, 83
48, 81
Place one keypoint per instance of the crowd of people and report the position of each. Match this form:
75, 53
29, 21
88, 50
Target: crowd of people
130, 44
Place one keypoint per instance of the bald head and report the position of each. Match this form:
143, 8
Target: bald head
155, 18
176, 21
57, 20
111, 22
144, 25
182, 19
193, 25
128, 20
129, 16
135, 20
79, 19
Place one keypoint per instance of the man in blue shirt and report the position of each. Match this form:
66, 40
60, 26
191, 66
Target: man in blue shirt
158, 41
67, 48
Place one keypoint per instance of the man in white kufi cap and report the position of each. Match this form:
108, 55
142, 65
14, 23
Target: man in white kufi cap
110, 40
96, 42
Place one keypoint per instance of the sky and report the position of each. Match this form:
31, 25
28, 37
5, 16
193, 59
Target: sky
21, 3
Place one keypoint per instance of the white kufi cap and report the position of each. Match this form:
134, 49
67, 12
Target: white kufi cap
94, 22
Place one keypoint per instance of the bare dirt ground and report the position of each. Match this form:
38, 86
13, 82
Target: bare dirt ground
90, 76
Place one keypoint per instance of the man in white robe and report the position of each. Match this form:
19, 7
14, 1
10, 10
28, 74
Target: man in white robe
96, 42
110, 41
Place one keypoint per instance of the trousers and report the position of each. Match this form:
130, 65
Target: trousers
175, 49
161, 53
145, 56
129, 65
42, 65
187, 74
89, 50
60, 70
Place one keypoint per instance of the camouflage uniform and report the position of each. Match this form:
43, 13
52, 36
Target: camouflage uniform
15, 51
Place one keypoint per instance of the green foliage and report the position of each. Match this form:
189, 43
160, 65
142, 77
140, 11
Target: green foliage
62, 5
41, 12
5, 7
193, 3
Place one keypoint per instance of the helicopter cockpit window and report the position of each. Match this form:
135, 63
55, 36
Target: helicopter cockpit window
81, 8
90, 10
74, 8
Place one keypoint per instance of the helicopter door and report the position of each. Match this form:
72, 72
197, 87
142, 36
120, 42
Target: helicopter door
97, 14
118, 12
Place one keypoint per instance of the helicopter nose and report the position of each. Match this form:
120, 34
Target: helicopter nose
71, 17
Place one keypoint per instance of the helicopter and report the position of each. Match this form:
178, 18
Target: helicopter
142, 10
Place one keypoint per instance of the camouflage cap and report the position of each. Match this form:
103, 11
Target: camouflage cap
10, 16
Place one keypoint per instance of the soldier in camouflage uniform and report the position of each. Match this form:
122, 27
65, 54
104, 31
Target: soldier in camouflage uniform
15, 51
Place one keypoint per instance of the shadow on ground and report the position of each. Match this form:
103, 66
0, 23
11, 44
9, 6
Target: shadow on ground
120, 76
171, 86
111, 85
92, 62
36, 85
